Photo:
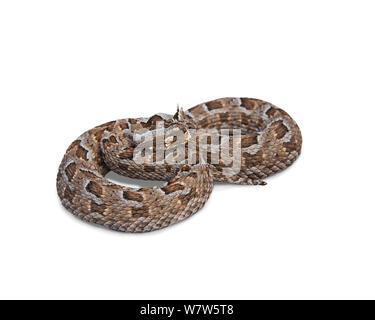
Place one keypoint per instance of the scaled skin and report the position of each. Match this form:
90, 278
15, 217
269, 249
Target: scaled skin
270, 142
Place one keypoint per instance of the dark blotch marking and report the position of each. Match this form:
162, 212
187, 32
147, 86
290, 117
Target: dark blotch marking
152, 121
123, 125
112, 139
127, 154
73, 145
139, 212
98, 134
70, 171
271, 112
212, 105
292, 146
133, 196
94, 188
99, 208
249, 104
280, 129
81, 153
172, 188
249, 140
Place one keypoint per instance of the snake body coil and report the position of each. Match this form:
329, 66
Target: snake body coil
270, 142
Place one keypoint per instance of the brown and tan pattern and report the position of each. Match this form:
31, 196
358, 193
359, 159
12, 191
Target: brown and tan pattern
270, 142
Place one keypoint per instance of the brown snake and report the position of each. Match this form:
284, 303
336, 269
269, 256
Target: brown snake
270, 142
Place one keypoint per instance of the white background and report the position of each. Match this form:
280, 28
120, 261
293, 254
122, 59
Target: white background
67, 66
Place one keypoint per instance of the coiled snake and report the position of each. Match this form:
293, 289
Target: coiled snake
270, 142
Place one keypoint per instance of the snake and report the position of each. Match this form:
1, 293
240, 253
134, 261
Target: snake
270, 141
